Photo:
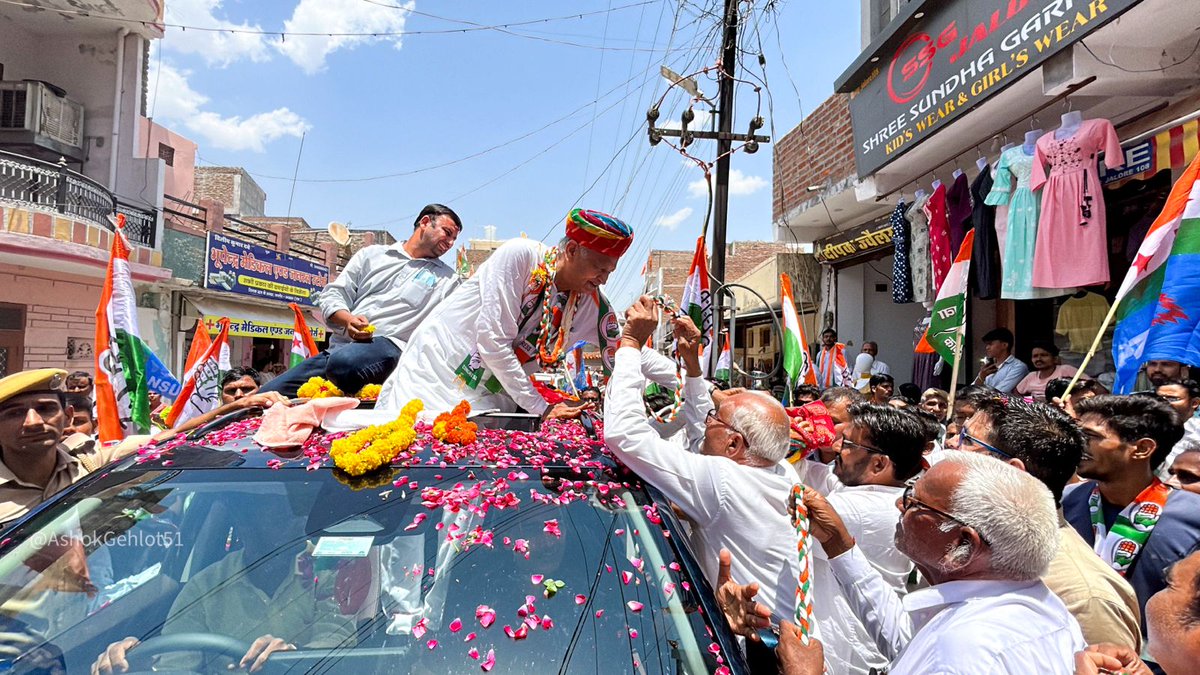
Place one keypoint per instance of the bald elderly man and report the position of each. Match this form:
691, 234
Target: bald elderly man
735, 490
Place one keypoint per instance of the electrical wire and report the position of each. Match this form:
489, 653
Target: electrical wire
1112, 64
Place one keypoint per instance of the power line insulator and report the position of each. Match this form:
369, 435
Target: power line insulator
751, 147
655, 137
688, 116
652, 115
756, 123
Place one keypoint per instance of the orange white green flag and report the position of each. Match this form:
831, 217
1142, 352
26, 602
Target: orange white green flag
122, 395
950, 308
201, 383
303, 345
797, 362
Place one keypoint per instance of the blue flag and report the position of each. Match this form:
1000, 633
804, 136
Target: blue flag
159, 379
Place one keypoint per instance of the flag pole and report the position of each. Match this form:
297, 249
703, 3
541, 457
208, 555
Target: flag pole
1112, 311
958, 340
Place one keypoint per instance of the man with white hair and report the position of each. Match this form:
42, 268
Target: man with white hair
735, 491
982, 532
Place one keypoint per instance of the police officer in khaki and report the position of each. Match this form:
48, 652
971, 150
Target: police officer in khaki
36, 461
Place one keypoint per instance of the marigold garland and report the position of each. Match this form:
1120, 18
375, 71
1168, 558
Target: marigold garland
318, 387
454, 427
369, 392
368, 449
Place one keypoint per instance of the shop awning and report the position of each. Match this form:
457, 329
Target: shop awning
249, 320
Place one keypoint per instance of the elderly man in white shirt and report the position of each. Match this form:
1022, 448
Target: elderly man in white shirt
982, 532
877, 452
735, 492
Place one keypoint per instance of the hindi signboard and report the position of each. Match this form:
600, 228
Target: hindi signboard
237, 266
843, 248
958, 55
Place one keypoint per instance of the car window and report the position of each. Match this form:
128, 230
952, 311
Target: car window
431, 570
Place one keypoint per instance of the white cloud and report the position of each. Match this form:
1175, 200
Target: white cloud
176, 101
740, 185
673, 220
215, 47
338, 16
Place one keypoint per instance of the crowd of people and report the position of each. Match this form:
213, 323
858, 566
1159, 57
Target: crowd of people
1007, 527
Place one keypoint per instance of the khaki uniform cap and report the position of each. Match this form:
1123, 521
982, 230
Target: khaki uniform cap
27, 381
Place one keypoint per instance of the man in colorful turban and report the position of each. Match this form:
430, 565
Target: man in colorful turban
518, 316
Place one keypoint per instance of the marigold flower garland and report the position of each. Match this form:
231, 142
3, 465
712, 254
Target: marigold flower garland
454, 427
369, 392
318, 387
368, 449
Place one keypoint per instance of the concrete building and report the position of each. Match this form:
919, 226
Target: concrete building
232, 186
72, 94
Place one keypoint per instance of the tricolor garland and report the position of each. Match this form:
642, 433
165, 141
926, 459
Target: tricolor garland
672, 411
804, 608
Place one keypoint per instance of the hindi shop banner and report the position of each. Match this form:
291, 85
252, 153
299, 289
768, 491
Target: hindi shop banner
843, 248
237, 266
957, 56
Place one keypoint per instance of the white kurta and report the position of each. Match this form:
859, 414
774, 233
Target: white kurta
481, 324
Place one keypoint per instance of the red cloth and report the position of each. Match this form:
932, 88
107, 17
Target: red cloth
939, 236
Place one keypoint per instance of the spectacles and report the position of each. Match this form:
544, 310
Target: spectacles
908, 501
235, 390
847, 442
712, 417
963, 437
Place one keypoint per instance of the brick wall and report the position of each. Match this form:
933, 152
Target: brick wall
215, 183
233, 187
58, 309
819, 150
741, 257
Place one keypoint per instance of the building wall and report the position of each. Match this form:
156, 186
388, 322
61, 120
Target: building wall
59, 309
819, 151
233, 187
179, 178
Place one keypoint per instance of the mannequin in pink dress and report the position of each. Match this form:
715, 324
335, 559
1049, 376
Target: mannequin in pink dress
1072, 244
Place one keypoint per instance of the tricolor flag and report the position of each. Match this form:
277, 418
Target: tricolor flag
797, 362
462, 264
122, 401
1158, 304
724, 362
303, 345
697, 301
950, 308
201, 384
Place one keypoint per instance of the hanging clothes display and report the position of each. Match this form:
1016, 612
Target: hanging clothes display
939, 236
1016, 280
919, 263
1072, 242
1079, 318
985, 270
902, 289
958, 211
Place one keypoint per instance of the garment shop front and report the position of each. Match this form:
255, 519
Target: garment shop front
1052, 128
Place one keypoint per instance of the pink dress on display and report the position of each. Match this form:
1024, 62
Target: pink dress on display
1072, 242
939, 236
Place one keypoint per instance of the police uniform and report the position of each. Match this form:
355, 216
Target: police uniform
76, 455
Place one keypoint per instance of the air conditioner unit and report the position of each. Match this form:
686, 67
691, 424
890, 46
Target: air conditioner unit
37, 109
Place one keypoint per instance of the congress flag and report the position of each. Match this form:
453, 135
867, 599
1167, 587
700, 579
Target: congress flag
201, 384
724, 362
950, 308
697, 300
122, 397
303, 345
1158, 304
797, 362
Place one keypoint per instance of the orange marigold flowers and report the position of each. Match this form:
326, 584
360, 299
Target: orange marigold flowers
454, 427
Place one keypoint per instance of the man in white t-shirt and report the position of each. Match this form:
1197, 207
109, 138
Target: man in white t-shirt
735, 491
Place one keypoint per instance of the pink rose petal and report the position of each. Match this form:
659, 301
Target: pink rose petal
580, 599
637, 562
417, 520
536, 579
547, 622
551, 527
473, 653
634, 606
626, 577
432, 644
486, 615
470, 636
490, 661
455, 625
674, 566
599, 613
633, 633
420, 627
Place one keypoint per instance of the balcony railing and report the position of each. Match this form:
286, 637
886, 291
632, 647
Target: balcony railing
54, 187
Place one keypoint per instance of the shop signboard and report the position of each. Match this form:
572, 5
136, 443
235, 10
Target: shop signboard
856, 243
958, 55
258, 328
237, 266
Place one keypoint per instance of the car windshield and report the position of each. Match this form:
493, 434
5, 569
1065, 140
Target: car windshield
430, 570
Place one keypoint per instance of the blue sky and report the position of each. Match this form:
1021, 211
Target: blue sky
570, 117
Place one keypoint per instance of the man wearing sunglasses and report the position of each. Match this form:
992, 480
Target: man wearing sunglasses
1044, 442
982, 533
